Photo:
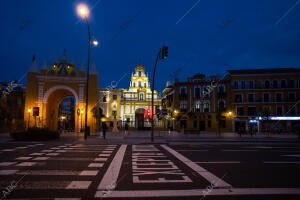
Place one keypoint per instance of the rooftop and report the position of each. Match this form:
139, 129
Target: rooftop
264, 71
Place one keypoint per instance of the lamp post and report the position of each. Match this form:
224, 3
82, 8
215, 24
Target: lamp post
83, 12
81, 113
29, 111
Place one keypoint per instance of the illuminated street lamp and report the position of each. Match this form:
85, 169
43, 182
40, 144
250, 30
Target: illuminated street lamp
29, 111
229, 113
83, 12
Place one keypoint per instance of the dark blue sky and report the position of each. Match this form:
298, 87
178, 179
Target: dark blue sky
215, 35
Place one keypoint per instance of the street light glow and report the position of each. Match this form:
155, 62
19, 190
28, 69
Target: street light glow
83, 10
95, 42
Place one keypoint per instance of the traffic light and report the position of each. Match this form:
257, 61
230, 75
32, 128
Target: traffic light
164, 52
148, 113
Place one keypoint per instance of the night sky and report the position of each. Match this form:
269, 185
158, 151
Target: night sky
204, 36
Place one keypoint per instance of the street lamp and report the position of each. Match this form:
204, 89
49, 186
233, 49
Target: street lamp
83, 12
29, 111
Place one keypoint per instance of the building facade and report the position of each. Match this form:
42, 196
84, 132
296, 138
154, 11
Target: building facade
135, 102
255, 100
12, 98
198, 104
109, 104
266, 100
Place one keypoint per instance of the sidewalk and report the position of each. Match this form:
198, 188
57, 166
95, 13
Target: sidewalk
137, 137
165, 137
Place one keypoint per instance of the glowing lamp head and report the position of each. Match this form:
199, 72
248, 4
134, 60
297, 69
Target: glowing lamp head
83, 10
95, 42
29, 110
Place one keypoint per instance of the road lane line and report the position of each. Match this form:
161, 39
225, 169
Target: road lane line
239, 150
200, 170
199, 192
281, 162
113, 170
218, 162
49, 173
292, 155
204, 150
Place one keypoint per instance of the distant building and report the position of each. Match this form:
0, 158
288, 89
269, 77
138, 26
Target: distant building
265, 99
198, 104
12, 98
135, 104
258, 100
109, 104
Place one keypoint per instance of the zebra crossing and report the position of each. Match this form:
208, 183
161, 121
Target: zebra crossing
59, 169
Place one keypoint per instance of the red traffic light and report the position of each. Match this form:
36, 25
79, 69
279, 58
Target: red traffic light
148, 113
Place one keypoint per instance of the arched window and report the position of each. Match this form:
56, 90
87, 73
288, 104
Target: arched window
141, 97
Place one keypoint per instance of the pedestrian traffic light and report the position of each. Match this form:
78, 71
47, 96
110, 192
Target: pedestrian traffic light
148, 113
164, 52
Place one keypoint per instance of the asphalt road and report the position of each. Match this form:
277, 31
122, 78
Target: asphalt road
96, 169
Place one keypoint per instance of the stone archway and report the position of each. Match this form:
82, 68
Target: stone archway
48, 87
51, 101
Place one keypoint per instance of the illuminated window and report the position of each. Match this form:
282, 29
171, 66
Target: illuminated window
141, 97
206, 107
183, 106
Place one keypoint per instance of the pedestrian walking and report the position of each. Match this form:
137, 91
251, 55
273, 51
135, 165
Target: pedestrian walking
104, 129
126, 129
